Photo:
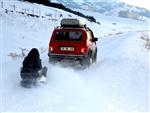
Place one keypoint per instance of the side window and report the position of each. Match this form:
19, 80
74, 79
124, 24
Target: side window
89, 35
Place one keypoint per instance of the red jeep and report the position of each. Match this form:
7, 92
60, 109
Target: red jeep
73, 41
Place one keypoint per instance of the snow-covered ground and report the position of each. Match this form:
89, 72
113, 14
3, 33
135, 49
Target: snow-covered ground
118, 81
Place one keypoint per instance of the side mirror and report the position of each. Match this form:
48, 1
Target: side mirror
94, 39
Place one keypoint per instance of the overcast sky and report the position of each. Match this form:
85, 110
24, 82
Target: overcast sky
140, 3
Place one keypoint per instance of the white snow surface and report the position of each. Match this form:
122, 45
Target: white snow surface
118, 81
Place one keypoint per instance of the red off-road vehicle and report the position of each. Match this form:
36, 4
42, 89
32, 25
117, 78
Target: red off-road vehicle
73, 41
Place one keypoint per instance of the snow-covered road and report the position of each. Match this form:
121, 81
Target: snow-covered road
118, 81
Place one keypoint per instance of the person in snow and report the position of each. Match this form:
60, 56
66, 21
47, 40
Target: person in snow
32, 67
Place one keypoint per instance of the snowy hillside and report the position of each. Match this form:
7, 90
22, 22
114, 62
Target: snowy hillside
118, 81
108, 7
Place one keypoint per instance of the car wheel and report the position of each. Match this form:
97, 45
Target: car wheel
95, 56
52, 61
86, 61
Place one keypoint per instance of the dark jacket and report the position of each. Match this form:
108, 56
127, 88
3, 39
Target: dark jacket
31, 64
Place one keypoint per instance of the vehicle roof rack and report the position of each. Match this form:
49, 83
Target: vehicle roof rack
71, 22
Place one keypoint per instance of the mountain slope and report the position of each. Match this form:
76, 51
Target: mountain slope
108, 7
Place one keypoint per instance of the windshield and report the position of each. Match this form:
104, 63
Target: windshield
68, 36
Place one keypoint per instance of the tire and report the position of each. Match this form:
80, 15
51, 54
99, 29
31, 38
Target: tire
94, 59
52, 61
86, 61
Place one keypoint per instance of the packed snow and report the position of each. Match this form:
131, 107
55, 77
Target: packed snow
118, 81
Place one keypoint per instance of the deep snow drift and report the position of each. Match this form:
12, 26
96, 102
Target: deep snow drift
118, 81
